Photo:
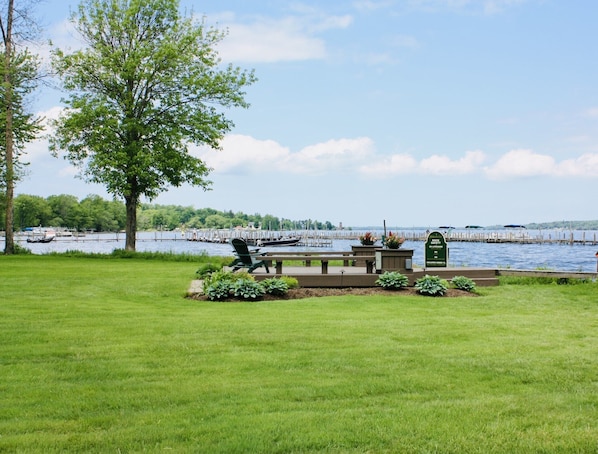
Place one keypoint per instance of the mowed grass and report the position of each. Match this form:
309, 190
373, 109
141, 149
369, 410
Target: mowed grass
108, 356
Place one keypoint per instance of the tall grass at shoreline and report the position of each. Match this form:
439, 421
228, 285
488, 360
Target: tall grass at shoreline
108, 356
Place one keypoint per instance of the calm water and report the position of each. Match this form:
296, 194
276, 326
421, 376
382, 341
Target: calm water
564, 257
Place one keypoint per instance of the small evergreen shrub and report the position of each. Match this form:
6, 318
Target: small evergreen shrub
274, 286
248, 289
463, 283
431, 286
392, 280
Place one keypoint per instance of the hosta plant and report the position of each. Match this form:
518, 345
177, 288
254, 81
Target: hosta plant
431, 286
248, 289
275, 286
463, 283
392, 280
219, 290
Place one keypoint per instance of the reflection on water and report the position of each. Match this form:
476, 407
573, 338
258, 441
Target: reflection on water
564, 257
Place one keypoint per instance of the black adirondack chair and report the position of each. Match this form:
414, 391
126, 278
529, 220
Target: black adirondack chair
246, 258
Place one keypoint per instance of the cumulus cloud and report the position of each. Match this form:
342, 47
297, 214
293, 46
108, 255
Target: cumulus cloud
584, 166
401, 164
526, 163
521, 163
443, 165
292, 38
394, 165
241, 154
245, 154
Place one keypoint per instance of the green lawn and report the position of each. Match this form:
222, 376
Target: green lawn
108, 356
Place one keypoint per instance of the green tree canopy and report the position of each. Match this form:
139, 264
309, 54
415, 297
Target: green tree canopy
147, 85
19, 70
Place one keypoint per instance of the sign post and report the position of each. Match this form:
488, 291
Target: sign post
436, 250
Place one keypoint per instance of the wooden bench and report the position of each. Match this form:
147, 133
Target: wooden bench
346, 257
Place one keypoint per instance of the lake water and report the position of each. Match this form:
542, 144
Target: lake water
565, 257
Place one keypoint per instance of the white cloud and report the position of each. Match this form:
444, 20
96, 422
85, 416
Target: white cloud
584, 166
63, 35
521, 163
341, 155
443, 165
401, 164
293, 38
526, 163
394, 165
244, 154
241, 154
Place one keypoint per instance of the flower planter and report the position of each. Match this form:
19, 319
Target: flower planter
400, 260
363, 250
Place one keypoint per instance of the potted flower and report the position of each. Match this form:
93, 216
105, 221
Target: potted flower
367, 239
366, 247
393, 241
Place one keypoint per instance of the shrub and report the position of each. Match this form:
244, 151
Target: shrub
274, 286
227, 276
248, 289
220, 285
20, 250
207, 269
291, 282
392, 280
431, 286
463, 283
219, 290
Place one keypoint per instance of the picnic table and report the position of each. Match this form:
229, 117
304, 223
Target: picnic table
308, 257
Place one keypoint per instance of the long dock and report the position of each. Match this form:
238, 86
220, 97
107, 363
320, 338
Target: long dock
325, 238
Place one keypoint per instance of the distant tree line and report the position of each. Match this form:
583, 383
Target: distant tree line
96, 214
565, 225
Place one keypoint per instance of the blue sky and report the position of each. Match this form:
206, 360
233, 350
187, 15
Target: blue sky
417, 112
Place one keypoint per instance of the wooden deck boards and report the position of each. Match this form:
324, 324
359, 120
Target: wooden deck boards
356, 276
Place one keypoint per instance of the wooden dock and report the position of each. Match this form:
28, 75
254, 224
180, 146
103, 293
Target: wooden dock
324, 238
357, 276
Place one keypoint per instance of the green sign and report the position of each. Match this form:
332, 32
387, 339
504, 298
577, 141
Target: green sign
436, 250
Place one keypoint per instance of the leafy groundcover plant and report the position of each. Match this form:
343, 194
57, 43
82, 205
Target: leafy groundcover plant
392, 280
221, 285
463, 283
431, 285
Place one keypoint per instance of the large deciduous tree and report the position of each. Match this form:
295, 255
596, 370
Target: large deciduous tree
147, 84
19, 70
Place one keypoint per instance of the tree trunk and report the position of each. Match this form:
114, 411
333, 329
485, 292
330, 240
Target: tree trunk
9, 245
131, 223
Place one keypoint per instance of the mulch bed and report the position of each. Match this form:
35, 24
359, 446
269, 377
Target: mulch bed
299, 293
